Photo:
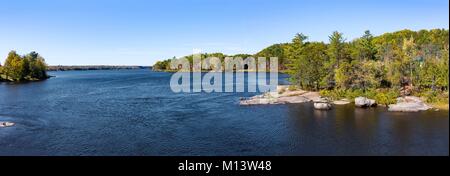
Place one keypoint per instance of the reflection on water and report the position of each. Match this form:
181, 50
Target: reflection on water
134, 112
349, 131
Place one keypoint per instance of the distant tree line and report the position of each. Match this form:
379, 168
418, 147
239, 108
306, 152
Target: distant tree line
30, 67
382, 67
165, 64
92, 67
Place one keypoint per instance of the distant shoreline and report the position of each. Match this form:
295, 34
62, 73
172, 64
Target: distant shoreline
94, 67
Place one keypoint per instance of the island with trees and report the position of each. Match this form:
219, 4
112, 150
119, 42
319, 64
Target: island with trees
383, 68
29, 67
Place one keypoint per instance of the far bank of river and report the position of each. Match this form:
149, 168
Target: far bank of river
94, 67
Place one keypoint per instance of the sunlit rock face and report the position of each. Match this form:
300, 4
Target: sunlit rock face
409, 104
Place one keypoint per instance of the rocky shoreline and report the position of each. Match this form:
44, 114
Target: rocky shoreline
285, 96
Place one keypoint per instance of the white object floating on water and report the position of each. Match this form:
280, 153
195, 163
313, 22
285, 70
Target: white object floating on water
6, 124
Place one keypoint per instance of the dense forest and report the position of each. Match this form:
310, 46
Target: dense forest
381, 67
30, 67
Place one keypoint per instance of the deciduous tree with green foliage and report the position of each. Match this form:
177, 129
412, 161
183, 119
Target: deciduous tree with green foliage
30, 67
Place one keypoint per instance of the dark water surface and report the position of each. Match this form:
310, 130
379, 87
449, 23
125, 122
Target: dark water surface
134, 112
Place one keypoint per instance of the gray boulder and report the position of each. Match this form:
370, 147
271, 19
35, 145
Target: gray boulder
363, 102
322, 106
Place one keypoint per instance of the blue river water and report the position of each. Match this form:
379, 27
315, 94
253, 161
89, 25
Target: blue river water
134, 112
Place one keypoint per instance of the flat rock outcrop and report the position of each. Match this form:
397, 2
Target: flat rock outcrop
341, 102
409, 104
287, 97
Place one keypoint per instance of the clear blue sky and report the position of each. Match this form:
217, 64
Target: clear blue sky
140, 32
